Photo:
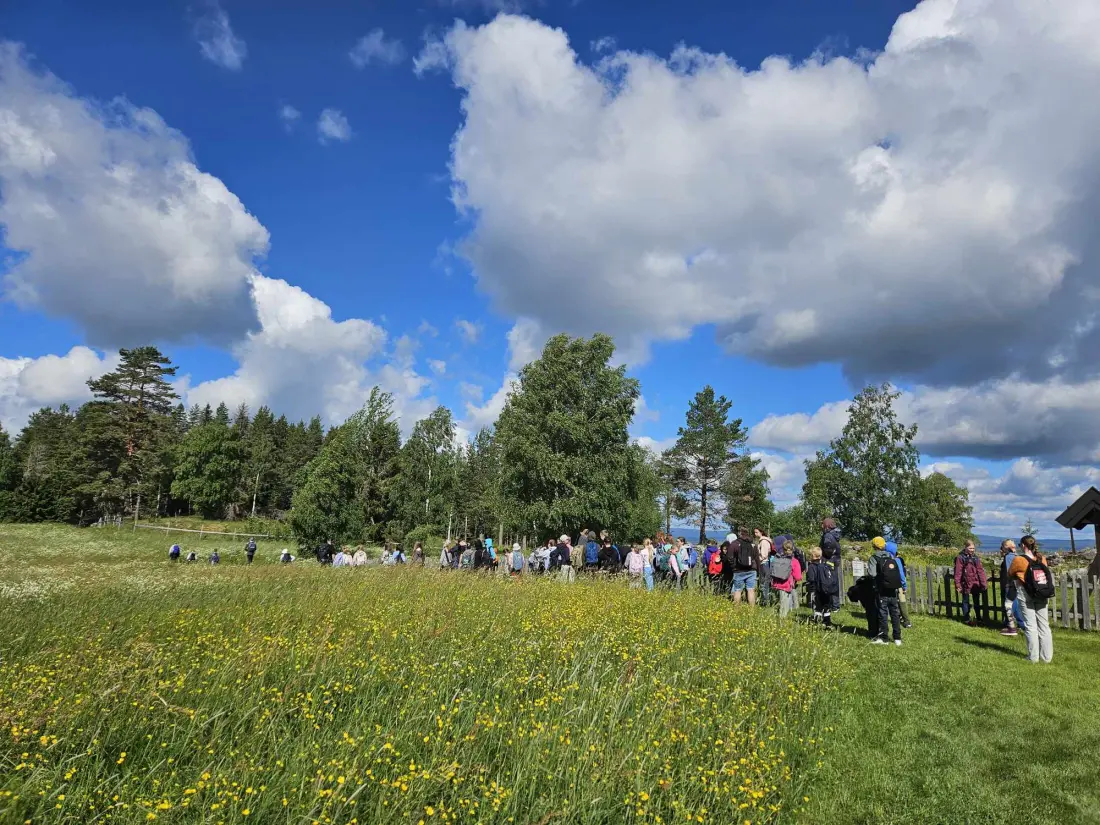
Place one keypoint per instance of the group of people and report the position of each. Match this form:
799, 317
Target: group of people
748, 566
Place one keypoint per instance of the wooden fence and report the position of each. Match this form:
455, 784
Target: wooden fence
931, 590
201, 533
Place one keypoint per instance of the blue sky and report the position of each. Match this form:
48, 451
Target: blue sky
783, 200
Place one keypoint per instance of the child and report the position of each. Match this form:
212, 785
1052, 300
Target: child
214, 557
192, 556
635, 566
824, 585
892, 549
786, 572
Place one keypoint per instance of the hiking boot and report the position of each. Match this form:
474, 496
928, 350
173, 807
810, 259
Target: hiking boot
907, 625
1009, 631
878, 640
897, 642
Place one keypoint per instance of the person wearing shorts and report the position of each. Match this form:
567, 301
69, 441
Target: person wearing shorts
741, 554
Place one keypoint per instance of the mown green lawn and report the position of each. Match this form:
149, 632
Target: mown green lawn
301, 695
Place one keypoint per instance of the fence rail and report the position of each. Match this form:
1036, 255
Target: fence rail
1075, 605
200, 532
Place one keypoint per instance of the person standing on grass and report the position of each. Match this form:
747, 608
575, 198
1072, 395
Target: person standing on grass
889, 579
830, 550
250, 549
823, 583
971, 582
764, 550
214, 557
675, 570
418, 554
635, 566
1034, 586
173, 552
516, 561
741, 557
892, 549
647, 564
785, 573
1013, 618
445, 556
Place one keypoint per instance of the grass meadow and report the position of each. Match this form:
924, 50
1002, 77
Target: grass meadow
136, 690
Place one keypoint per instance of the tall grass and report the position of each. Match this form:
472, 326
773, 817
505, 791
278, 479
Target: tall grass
185, 693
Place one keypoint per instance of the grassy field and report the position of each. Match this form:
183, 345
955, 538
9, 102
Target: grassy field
134, 690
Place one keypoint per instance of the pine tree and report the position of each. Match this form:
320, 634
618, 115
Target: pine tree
221, 415
706, 455
241, 419
126, 436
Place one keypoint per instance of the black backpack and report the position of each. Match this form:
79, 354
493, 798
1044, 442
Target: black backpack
889, 573
744, 554
827, 581
1038, 582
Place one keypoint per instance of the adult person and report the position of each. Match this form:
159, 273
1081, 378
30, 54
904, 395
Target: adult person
1034, 586
785, 573
214, 557
889, 580
635, 566
971, 582
516, 562
764, 548
398, 555
481, 558
591, 554
741, 557
418, 554
1009, 590
360, 557
174, 553
830, 551
326, 552
445, 561
341, 559
192, 556
285, 557
647, 564
250, 549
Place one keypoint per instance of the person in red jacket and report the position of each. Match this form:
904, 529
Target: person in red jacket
971, 582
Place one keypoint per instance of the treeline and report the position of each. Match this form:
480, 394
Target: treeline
559, 458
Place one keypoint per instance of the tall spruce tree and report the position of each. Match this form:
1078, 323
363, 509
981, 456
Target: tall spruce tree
868, 478
566, 459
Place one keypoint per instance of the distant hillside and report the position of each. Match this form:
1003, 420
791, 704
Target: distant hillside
991, 544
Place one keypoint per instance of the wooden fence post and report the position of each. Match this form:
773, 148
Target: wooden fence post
1086, 604
1065, 600
948, 594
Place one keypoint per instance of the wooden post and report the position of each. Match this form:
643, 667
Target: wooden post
1065, 600
500, 535
137, 509
1072, 545
1086, 604
948, 594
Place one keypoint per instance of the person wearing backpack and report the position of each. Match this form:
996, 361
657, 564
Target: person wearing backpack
591, 554
174, 553
516, 561
740, 556
250, 549
830, 550
1013, 618
715, 568
214, 557
892, 549
192, 556
971, 582
889, 578
823, 583
786, 572
445, 556
764, 550
1034, 586
608, 557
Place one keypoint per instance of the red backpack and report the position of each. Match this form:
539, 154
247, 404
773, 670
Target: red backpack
714, 566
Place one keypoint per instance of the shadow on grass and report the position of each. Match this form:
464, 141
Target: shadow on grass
996, 648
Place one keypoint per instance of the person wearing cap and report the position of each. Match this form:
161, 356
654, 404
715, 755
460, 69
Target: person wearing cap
889, 579
516, 560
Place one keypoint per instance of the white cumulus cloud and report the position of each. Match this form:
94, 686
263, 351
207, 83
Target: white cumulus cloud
289, 116
28, 384
115, 226
902, 217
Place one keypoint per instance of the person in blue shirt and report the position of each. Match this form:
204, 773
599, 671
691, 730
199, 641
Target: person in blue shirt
1013, 616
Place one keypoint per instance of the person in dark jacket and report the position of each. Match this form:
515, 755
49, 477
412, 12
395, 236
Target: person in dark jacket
481, 558
830, 550
559, 556
889, 608
741, 556
250, 549
326, 552
864, 592
823, 584
608, 557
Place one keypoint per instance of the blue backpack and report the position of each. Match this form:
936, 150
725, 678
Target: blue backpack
693, 556
591, 553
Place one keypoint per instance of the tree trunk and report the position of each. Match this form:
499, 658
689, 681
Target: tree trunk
137, 509
255, 491
703, 514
